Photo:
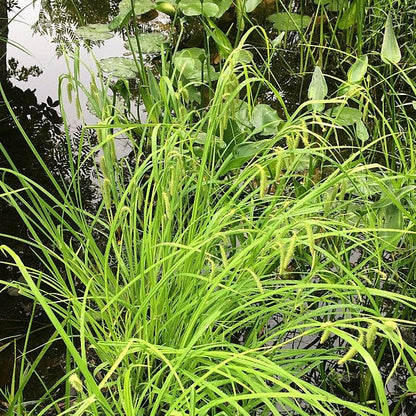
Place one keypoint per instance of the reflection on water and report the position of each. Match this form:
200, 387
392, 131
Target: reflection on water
29, 70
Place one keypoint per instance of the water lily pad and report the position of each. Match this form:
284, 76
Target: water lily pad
196, 8
289, 21
126, 9
94, 32
119, 67
149, 42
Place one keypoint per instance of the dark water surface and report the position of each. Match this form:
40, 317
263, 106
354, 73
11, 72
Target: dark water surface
31, 62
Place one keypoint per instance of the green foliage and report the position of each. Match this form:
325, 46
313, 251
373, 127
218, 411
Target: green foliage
243, 250
390, 51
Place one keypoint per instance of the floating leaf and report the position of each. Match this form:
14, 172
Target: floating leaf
358, 70
149, 42
126, 10
317, 90
196, 8
265, 120
344, 116
119, 67
289, 21
250, 5
94, 32
390, 51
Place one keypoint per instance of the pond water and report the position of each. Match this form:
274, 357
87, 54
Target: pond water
30, 68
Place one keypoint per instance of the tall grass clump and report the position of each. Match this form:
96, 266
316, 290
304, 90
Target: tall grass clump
220, 273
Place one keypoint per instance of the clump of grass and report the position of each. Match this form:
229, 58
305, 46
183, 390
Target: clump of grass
200, 290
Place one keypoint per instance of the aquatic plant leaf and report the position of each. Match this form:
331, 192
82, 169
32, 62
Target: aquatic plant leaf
289, 21
196, 8
223, 6
126, 10
149, 42
331, 5
242, 153
220, 38
191, 63
393, 219
348, 17
265, 120
94, 32
361, 130
390, 51
242, 56
358, 70
279, 39
411, 384
344, 116
242, 116
250, 5
119, 67
317, 90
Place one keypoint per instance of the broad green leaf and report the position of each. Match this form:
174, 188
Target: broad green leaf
94, 32
191, 63
241, 154
242, 56
358, 70
349, 17
332, 5
220, 38
149, 42
242, 117
411, 384
361, 130
317, 90
196, 8
250, 5
126, 10
344, 116
119, 67
139, 6
265, 120
393, 219
390, 51
279, 39
223, 6
289, 21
